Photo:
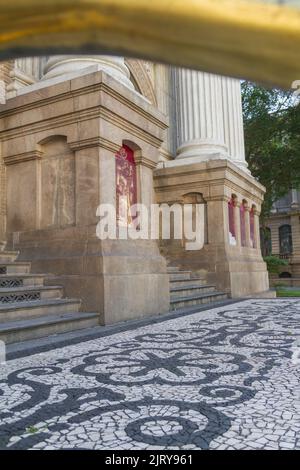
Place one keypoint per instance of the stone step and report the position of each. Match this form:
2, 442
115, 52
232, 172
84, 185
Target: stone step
24, 330
8, 256
195, 281
184, 291
199, 299
180, 276
173, 269
17, 267
19, 280
204, 307
37, 308
29, 293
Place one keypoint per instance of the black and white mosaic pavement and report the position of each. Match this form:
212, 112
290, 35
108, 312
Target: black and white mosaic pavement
219, 379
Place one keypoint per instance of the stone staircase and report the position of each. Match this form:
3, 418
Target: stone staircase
29, 309
188, 292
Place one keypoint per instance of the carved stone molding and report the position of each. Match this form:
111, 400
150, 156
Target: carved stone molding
142, 78
23, 157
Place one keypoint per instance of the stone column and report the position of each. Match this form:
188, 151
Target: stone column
233, 121
247, 225
199, 114
256, 229
68, 66
165, 96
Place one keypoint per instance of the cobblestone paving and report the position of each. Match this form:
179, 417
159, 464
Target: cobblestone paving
220, 379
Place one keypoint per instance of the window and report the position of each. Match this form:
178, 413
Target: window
285, 239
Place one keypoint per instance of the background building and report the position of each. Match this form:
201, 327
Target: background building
281, 234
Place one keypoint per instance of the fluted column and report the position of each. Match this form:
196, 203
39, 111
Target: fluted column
67, 66
233, 121
165, 97
199, 115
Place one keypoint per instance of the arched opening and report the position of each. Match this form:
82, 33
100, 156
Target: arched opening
126, 185
56, 188
243, 222
197, 198
231, 220
252, 227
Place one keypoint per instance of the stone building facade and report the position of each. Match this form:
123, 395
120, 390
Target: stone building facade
281, 234
64, 122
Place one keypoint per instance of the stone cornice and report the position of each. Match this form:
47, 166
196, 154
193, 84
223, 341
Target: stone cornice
80, 116
199, 185
94, 142
155, 117
22, 157
141, 160
224, 173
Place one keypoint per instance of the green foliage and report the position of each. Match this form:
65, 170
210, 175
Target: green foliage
287, 293
272, 139
274, 263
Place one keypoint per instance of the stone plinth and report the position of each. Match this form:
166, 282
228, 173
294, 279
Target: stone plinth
59, 145
237, 269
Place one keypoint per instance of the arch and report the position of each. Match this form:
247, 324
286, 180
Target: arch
52, 138
197, 198
141, 80
285, 239
54, 145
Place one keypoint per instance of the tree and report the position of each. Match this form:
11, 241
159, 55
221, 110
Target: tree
272, 139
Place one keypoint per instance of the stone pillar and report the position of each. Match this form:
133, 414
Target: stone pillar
233, 121
295, 200
256, 229
199, 114
68, 66
2, 91
237, 222
247, 225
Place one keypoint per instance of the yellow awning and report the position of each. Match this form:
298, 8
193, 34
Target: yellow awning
247, 39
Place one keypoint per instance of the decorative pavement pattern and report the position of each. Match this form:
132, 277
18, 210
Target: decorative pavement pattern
219, 379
